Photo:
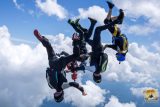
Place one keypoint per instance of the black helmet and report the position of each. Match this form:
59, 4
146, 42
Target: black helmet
97, 77
59, 96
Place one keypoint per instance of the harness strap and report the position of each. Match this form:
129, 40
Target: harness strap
115, 30
125, 44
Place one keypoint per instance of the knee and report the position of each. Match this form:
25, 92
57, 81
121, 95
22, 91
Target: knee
74, 84
106, 21
98, 29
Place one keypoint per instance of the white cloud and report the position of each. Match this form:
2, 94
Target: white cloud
141, 66
95, 12
18, 6
22, 73
112, 76
22, 76
95, 96
51, 7
149, 10
138, 92
156, 45
140, 30
114, 102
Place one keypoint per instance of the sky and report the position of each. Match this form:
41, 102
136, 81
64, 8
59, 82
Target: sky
23, 60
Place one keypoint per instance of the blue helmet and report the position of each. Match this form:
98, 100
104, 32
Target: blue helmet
120, 57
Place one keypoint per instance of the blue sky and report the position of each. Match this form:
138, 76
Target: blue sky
21, 23
141, 25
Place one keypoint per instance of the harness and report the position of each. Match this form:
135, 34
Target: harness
115, 30
125, 43
100, 62
54, 78
103, 62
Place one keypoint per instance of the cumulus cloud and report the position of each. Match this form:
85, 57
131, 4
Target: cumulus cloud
95, 96
141, 8
22, 80
141, 66
156, 45
95, 12
114, 102
51, 7
137, 30
22, 73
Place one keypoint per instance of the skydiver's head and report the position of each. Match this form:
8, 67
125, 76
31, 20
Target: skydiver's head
75, 37
97, 77
59, 96
120, 57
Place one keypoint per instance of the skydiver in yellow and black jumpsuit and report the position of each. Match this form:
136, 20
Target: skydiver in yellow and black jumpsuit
119, 40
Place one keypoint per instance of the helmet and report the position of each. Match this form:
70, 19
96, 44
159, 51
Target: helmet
120, 57
75, 37
97, 77
59, 96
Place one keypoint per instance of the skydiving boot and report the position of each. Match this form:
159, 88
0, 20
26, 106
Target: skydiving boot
42, 39
110, 5
77, 21
38, 35
92, 20
79, 26
70, 21
120, 16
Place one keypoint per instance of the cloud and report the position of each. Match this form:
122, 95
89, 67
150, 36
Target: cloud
22, 76
22, 73
114, 102
94, 94
141, 66
156, 45
51, 7
18, 6
23, 41
149, 10
21, 70
137, 30
100, 14
95, 12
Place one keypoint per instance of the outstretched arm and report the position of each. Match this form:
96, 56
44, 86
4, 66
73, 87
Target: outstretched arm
110, 46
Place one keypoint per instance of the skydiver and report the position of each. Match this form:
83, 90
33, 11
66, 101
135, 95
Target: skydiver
119, 40
99, 59
82, 33
71, 66
55, 74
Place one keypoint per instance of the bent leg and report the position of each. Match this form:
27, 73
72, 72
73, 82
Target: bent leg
82, 28
76, 85
91, 28
75, 27
97, 37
